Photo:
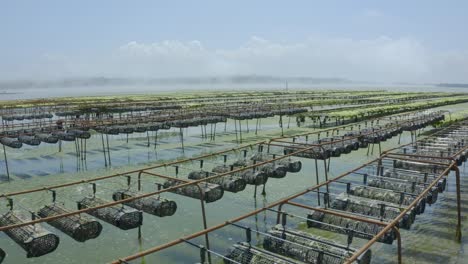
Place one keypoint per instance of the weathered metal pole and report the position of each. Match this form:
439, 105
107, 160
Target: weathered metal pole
317, 181
281, 125
104, 149
240, 131
148, 138
6, 163
235, 130
182, 139
108, 150
155, 139
457, 179
256, 127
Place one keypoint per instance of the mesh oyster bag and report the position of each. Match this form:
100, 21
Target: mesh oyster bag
405, 187
47, 138
11, 142
313, 153
418, 178
291, 165
270, 169
29, 140
388, 196
246, 254
213, 192
374, 208
343, 225
34, 239
418, 166
151, 205
250, 176
117, 215
79, 227
308, 248
229, 183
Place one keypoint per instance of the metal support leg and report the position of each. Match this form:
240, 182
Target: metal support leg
205, 225
235, 130
108, 149
240, 131
81, 149
139, 232
6, 163
155, 139
457, 178
85, 148
76, 148
214, 132
326, 173
182, 139
104, 150
281, 125
398, 236
256, 127
317, 181
148, 138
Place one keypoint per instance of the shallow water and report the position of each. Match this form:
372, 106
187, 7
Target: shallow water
431, 239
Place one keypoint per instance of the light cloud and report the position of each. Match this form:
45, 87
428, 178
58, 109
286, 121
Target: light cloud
382, 59
373, 13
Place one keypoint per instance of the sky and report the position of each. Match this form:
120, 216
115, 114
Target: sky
381, 41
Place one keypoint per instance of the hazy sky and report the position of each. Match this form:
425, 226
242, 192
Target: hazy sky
414, 41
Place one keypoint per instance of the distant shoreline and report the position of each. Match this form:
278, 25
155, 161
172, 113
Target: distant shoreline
453, 85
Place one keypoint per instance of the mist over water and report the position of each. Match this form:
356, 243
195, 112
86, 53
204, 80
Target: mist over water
107, 90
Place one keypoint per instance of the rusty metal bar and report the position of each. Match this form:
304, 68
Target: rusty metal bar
216, 227
124, 173
130, 198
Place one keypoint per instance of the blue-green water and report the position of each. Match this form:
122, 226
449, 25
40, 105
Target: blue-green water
431, 239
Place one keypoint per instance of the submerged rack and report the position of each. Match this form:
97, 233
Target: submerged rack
354, 207
120, 212
383, 218
334, 144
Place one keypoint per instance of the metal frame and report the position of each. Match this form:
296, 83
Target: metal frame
287, 201
280, 203
451, 166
